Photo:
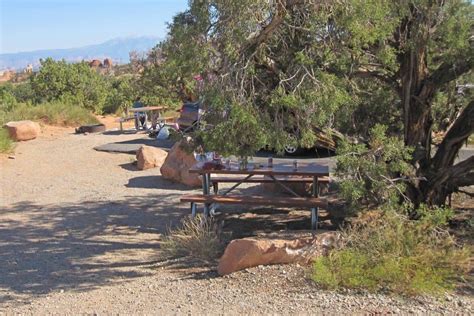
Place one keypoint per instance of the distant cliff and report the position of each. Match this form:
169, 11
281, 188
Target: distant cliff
116, 49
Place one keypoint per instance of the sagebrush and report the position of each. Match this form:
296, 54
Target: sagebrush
197, 238
388, 252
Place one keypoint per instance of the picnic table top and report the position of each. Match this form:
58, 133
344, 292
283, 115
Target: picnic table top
148, 108
278, 169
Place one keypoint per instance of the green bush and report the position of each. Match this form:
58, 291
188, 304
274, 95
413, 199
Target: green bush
7, 97
6, 144
74, 83
385, 251
121, 95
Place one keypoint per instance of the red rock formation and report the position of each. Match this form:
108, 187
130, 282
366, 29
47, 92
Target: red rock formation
95, 63
108, 63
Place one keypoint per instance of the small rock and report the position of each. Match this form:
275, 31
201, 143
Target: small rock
150, 157
11, 157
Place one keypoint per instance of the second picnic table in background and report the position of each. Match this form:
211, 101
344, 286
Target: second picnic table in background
155, 113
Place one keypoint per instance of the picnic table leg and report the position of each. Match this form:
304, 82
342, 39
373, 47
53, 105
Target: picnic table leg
193, 209
205, 190
314, 210
215, 186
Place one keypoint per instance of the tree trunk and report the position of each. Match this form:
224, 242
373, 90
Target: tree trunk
438, 176
416, 96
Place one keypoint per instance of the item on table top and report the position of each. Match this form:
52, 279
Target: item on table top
201, 157
250, 164
243, 163
216, 156
295, 165
211, 165
227, 163
270, 162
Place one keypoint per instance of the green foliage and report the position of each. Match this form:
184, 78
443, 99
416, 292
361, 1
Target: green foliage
385, 251
6, 143
197, 238
7, 98
373, 174
73, 83
239, 134
122, 94
337, 66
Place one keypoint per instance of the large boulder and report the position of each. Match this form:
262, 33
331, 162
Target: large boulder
150, 157
23, 130
177, 164
250, 252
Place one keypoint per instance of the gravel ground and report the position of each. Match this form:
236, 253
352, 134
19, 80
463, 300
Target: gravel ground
80, 233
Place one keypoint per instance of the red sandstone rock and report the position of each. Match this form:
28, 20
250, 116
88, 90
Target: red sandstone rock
250, 252
177, 164
150, 157
23, 130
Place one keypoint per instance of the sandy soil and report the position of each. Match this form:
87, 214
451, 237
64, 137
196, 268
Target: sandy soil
80, 233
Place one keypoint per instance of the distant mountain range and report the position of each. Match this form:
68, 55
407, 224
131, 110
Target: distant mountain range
117, 49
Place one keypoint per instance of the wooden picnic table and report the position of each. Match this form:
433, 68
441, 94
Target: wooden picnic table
155, 113
276, 174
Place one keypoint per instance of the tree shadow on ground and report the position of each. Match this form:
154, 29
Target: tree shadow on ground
118, 132
81, 246
156, 182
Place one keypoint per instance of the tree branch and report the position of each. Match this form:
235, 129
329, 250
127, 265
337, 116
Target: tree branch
449, 71
459, 132
282, 7
465, 181
377, 75
462, 168
467, 193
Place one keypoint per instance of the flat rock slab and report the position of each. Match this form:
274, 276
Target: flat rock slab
131, 146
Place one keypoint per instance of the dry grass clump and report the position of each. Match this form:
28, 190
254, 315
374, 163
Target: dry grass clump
197, 238
53, 113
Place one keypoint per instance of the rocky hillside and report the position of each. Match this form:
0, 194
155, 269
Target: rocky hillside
117, 49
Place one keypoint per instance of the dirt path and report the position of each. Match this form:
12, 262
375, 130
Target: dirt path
80, 232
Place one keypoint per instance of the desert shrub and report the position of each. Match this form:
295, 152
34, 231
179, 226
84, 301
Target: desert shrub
375, 173
121, 95
24, 92
76, 83
196, 238
385, 251
54, 113
6, 144
7, 97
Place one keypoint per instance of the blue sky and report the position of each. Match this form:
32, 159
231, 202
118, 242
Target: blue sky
44, 24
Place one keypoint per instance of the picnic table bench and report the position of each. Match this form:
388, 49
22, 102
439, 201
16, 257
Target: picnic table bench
279, 173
